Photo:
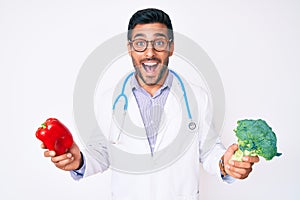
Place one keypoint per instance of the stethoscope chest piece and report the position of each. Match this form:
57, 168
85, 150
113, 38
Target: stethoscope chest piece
192, 126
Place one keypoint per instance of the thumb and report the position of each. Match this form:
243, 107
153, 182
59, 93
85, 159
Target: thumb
229, 152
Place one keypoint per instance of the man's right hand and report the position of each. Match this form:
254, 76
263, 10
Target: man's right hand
69, 161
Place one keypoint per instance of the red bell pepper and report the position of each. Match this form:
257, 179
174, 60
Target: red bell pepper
55, 136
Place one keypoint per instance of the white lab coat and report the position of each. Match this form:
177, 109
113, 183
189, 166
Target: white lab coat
179, 180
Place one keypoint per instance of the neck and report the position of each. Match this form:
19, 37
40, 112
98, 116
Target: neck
151, 89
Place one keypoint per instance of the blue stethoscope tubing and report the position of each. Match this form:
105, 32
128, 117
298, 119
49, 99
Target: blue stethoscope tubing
122, 94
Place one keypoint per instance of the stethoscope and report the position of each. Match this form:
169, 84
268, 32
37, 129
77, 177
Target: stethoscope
191, 125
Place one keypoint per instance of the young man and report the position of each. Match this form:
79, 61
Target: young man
150, 44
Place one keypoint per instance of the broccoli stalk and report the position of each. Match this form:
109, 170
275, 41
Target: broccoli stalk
255, 137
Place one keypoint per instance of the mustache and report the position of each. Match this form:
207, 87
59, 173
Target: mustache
151, 59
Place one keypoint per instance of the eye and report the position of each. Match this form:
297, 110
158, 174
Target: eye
159, 42
139, 43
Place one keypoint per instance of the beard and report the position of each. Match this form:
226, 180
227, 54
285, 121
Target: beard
149, 79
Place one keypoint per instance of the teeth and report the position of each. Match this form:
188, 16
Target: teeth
150, 64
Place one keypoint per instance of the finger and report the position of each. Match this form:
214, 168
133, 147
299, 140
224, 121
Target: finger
62, 164
65, 156
48, 153
238, 175
238, 164
239, 172
251, 159
232, 148
43, 146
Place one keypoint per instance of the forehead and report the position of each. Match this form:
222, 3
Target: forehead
149, 30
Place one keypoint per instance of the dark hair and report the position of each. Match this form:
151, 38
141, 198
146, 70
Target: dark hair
148, 16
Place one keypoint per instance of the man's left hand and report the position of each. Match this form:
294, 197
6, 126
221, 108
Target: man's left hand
238, 169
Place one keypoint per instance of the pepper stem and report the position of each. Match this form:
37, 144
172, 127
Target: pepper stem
43, 125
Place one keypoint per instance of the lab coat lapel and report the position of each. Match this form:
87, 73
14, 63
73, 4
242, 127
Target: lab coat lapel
171, 119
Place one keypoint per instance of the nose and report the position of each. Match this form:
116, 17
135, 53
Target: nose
149, 51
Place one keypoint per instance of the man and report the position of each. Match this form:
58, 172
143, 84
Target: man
150, 44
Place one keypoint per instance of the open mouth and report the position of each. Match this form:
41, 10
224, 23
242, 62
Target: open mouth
150, 67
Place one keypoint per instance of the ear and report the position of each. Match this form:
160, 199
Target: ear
129, 49
171, 50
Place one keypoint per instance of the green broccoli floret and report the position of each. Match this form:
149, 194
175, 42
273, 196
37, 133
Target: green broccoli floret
255, 137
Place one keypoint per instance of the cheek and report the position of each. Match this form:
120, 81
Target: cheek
165, 59
134, 61
135, 58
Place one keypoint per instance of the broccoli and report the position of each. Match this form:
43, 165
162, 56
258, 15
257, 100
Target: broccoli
255, 137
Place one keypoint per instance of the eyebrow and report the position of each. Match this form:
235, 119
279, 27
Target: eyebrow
156, 34
160, 34
139, 35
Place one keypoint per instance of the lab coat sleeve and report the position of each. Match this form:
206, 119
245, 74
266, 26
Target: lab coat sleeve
210, 147
95, 154
90, 166
78, 174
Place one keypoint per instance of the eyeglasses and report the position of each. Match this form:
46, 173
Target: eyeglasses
159, 44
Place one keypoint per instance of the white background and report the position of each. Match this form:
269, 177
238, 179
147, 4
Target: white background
254, 45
